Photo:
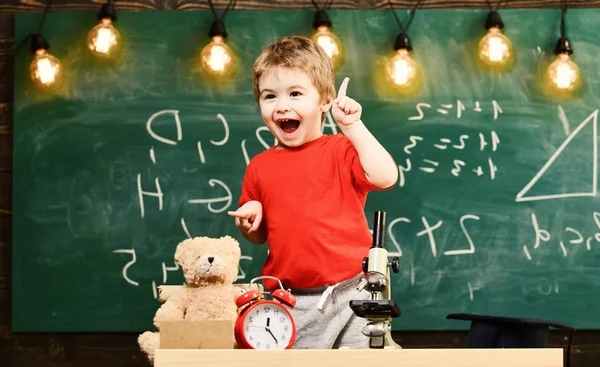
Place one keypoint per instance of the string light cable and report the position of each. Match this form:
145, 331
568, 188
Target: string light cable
217, 58
402, 69
323, 35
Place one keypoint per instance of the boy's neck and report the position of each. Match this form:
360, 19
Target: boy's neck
279, 146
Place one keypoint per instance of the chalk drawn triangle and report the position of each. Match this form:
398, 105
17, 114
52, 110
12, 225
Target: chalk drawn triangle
593, 118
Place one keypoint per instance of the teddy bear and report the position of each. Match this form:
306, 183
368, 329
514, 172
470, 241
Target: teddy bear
210, 267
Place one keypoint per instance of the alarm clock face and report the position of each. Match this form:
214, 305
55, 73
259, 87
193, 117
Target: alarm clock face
268, 326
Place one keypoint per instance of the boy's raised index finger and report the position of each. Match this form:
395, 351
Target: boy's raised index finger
343, 87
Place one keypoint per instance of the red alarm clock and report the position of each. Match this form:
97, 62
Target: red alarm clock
265, 324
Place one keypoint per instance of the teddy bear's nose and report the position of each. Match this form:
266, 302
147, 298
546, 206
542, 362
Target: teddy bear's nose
210, 260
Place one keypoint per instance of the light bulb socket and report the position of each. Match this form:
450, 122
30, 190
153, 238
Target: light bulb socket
563, 46
38, 42
217, 29
402, 42
107, 11
321, 19
493, 20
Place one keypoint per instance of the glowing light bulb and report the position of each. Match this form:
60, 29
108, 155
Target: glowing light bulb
329, 42
495, 49
45, 70
402, 69
217, 58
563, 74
104, 39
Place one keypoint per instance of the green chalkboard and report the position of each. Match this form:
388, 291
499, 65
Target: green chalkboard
496, 210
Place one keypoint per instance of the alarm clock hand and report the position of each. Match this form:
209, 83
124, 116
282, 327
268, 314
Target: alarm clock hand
269, 330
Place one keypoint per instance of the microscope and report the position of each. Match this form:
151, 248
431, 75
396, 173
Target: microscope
380, 309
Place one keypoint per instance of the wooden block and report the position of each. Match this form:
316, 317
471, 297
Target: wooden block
166, 291
543, 357
207, 334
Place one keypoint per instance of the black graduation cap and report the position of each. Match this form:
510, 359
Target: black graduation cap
510, 332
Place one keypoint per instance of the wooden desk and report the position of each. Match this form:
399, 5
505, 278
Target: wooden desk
543, 357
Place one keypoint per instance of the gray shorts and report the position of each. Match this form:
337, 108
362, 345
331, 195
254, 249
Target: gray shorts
334, 325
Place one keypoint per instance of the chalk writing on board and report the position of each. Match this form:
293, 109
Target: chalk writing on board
444, 109
128, 265
227, 199
571, 236
141, 193
428, 231
593, 118
175, 114
482, 141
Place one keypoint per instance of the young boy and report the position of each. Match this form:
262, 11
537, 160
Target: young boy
306, 195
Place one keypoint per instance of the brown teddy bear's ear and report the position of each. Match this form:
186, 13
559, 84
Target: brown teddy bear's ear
182, 250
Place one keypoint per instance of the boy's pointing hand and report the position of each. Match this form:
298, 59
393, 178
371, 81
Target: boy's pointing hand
345, 110
248, 217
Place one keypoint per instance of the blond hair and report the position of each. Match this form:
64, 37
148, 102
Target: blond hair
297, 52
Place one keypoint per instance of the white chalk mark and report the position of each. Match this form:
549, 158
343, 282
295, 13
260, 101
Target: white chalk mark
579, 236
413, 143
165, 268
398, 251
477, 107
241, 273
471, 249
201, 153
563, 248
482, 142
152, 157
556, 287
495, 141
478, 170
526, 251
594, 118
470, 291
133, 260
330, 123
226, 199
493, 169
412, 273
562, 116
260, 139
226, 127
429, 169
457, 166
446, 141
175, 113
497, 109
462, 144
588, 244
158, 194
154, 290
245, 152
444, 112
459, 108
185, 228
429, 231
419, 107
401, 171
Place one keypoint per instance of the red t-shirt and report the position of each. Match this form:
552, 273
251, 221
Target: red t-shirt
313, 201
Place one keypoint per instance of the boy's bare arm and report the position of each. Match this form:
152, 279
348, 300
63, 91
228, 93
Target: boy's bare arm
380, 168
248, 219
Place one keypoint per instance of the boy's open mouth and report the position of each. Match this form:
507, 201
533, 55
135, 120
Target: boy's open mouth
289, 126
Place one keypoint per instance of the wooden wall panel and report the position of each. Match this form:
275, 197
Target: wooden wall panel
120, 349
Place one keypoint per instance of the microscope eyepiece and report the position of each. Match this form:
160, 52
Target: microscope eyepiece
379, 230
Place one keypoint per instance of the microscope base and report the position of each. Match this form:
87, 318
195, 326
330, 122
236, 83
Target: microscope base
381, 342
